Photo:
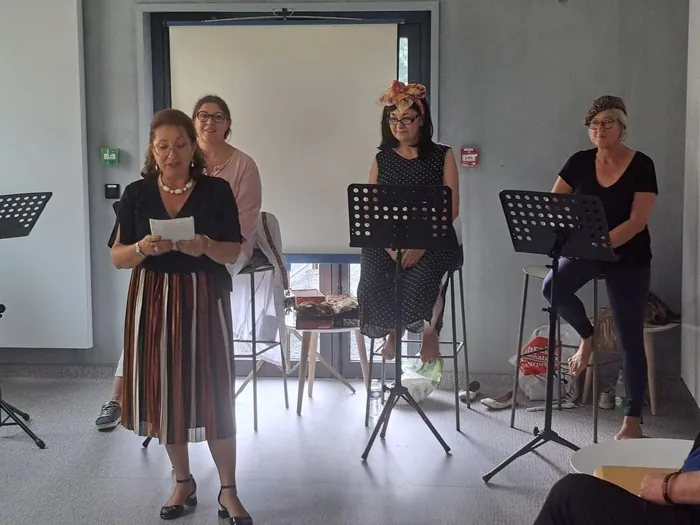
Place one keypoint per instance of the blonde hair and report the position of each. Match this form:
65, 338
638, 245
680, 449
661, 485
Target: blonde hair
620, 116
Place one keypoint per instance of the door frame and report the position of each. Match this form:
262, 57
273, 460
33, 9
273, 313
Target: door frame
145, 50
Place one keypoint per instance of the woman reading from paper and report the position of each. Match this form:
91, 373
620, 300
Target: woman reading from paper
212, 121
409, 156
178, 370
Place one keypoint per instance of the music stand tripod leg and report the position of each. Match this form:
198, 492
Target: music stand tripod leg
425, 419
384, 416
12, 413
547, 434
391, 403
16, 410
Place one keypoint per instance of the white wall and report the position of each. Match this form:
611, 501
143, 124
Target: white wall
690, 364
45, 279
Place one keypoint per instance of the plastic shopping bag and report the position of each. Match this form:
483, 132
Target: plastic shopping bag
421, 379
533, 368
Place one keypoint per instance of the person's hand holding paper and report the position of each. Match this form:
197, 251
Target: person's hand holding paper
181, 233
195, 247
173, 229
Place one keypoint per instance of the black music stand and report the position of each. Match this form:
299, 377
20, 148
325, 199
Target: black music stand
18, 215
556, 225
400, 218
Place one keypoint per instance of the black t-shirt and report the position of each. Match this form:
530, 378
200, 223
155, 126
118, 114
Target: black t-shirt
640, 177
215, 213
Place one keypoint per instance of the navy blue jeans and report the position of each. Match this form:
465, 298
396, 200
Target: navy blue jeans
628, 287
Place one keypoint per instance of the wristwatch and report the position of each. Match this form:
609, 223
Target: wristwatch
138, 250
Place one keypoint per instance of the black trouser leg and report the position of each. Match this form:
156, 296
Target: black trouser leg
628, 288
579, 499
572, 275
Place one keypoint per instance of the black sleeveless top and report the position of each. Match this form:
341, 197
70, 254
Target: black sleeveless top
393, 169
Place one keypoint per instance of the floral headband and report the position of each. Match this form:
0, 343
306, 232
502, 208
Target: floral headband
404, 96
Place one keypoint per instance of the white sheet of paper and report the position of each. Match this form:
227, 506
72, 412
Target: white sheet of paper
173, 229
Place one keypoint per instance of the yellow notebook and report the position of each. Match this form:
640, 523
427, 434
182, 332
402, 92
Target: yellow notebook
629, 478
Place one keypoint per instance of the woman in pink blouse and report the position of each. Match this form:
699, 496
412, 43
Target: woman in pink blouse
212, 120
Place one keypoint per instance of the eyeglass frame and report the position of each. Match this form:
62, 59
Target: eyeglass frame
609, 121
393, 121
169, 148
204, 116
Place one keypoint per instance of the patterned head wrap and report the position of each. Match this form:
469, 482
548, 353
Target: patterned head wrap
604, 103
404, 96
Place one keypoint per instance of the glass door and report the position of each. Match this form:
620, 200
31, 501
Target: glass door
306, 276
302, 276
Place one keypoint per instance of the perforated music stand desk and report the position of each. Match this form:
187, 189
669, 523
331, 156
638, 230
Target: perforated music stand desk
400, 218
18, 215
556, 225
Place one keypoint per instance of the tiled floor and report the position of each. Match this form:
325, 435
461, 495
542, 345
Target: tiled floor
296, 470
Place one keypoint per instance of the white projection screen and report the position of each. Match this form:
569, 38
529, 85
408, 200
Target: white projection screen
45, 280
304, 104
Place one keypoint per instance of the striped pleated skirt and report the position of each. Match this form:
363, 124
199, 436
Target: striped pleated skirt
178, 364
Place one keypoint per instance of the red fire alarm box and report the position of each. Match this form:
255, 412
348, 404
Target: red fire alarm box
470, 157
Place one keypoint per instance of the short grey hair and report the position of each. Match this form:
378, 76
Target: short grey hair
621, 118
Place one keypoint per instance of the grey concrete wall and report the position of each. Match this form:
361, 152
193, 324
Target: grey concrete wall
516, 78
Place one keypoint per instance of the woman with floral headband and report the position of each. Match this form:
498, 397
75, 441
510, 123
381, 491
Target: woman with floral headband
409, 156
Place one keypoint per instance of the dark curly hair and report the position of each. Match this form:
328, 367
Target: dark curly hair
174, 117
223, 106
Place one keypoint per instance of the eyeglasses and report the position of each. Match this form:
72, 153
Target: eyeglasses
406, 121
607, 124
218, 117
163, 150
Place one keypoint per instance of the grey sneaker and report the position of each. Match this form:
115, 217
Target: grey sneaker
607, 401
110, 415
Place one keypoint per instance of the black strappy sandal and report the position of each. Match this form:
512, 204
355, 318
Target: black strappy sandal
224, 513
171, 512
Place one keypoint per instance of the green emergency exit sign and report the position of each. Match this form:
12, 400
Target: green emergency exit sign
109, 156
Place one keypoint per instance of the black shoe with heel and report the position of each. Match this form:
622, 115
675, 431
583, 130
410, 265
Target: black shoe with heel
224, 513
171, 512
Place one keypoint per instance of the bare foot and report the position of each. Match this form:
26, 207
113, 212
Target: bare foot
229, 500
579, 361
631, 429
389, 349
180, 494
429, 349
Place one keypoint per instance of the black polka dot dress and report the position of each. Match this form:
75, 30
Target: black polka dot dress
421, 284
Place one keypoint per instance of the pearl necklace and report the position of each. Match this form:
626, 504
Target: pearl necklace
177, 191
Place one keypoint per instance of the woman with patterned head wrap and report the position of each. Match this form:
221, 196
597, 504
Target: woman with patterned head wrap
625, 182
408, 155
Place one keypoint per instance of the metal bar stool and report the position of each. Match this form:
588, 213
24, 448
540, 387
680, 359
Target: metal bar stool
457, 347
259, 264
539, 273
